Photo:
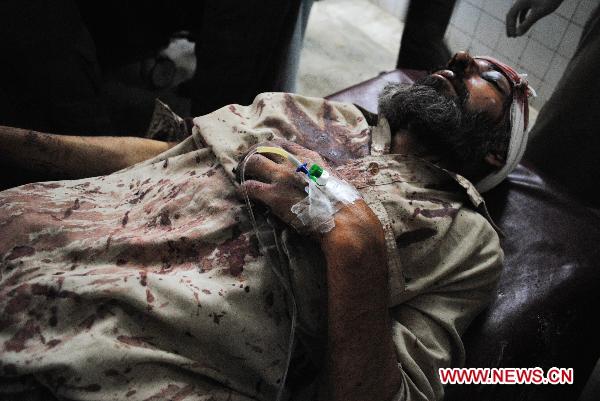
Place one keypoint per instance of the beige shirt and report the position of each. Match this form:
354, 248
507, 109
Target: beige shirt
150, 282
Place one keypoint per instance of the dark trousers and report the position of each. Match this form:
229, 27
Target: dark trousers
241, 48
422, 46
49, 73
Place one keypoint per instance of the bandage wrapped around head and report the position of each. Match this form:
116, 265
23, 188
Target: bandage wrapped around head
519, 119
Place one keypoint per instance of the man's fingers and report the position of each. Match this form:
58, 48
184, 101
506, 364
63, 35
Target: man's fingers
279, 200
294, 148
262, 168
256, 190
303, 154
276, 158
258, 167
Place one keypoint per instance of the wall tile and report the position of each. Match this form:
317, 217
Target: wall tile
536, 58
497, 8
570, 40
465, 17
550, 30
536, 83
477, 48
477, 3
541, 90
512, 48
556, 71
457, 40
567, 8
546, 90
539, 101
489, 30
543, 53
584, 10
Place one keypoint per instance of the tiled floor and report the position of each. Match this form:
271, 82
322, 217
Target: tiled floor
347, 41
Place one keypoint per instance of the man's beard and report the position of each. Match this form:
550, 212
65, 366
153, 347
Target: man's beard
441, 123
421, 107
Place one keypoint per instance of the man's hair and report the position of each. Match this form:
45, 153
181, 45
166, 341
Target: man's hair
442, 124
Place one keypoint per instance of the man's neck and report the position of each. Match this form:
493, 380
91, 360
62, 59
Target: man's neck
405, 143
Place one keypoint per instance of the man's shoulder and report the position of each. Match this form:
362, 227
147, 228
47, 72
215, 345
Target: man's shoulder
419, 182
435, 225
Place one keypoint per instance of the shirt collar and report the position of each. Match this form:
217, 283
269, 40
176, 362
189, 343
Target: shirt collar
381, 139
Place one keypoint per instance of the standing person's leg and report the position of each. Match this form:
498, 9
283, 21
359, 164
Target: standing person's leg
286, 78
49, 70
564, 140
422, 46
240, 49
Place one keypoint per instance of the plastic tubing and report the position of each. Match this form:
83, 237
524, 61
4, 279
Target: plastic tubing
287, 288
280, 152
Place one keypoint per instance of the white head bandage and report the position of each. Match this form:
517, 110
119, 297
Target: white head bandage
519, 119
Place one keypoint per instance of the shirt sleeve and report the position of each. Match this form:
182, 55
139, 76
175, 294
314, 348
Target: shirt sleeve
427, 327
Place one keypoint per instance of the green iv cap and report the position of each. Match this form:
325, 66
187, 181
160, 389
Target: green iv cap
315, 170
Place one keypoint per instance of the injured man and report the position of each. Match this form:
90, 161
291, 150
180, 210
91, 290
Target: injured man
293, 249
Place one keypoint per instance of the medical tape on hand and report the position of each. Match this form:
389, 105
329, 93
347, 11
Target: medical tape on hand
316, 212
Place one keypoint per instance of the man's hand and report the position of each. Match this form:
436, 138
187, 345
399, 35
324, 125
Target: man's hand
272, 181
528, 12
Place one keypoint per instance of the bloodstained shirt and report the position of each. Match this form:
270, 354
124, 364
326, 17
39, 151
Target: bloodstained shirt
151, 283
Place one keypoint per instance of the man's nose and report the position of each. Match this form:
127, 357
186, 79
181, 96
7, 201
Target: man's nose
462, 63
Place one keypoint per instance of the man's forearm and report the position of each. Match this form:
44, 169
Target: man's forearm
61, 156
362, 362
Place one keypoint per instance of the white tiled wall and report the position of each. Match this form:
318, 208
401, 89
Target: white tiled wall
543, 53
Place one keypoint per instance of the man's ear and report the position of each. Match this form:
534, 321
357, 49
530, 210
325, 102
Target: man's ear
495, 160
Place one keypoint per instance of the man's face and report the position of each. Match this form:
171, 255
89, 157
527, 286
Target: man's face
477, 83
466, 91
458, 112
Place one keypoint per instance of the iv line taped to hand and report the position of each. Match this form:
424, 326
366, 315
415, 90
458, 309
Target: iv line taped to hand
326, 194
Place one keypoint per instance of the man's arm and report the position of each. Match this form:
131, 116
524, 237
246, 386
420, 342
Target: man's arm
49, 156
361, 356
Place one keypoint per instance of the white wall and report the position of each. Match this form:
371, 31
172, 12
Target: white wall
543, 53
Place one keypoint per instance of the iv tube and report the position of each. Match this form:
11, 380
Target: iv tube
314, 172
287, 288
280, 152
